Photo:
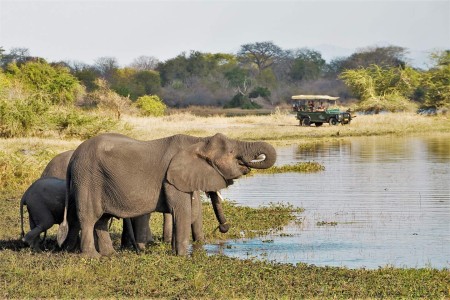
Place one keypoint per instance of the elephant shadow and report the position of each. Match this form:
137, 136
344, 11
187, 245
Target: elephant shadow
12, 244
48, 245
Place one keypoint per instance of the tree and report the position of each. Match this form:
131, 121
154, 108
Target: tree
239, 79
15, 55
263, 54
151, 105
145, 63
390, 56
132, 83
54, 84
307, 65
107, 66
382, 88
435, 83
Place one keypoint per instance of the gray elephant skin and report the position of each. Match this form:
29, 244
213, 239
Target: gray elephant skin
45, 200
114, 175
139, 226
57, 167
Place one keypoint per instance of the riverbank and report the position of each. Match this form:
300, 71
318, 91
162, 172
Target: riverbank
156, 273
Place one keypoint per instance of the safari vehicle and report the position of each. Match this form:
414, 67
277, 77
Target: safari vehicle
319, 109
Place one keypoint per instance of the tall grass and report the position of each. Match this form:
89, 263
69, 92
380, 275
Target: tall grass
283, 128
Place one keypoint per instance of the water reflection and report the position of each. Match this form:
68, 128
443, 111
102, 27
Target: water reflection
390, 197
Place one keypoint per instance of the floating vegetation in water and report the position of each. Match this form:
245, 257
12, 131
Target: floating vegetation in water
324, 223
301, 167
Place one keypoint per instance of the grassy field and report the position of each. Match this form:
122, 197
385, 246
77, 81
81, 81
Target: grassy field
156, 273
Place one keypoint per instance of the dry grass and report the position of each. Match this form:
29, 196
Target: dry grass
282, 127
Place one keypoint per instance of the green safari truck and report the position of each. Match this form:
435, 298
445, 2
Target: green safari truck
319, 109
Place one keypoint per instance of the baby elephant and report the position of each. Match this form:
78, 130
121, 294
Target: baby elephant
45, 203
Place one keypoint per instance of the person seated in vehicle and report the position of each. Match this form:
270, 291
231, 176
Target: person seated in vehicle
321, 107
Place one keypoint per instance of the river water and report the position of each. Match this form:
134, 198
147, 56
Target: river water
385, 201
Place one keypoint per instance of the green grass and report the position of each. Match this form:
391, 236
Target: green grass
301, 167
156, 273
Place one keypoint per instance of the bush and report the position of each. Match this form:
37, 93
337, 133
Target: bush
260, 92
391, 103
20, 111
243, 102
151, 105
77, 123
106, 99
54, 84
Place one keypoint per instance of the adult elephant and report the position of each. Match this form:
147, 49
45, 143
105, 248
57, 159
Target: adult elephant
114, 175
139, 226
57, 167
45, 200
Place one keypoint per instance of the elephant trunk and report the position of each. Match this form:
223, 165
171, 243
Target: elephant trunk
259, 155
216, 200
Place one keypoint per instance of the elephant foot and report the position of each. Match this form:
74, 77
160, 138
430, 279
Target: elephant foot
141, 246
36, 249
107, 251
91, 254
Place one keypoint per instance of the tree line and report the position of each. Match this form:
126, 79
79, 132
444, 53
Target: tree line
259, 73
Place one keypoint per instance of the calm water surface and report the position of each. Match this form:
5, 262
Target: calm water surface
390, 197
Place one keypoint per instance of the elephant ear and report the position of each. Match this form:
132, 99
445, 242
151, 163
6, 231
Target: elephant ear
190, 171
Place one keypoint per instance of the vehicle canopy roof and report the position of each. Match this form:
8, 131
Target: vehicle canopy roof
313, 97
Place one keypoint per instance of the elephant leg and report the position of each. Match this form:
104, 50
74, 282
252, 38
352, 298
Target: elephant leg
87, 244
179, 204
32, 238
167, 228
72, 240
105, 246
41, 219
149, 238
125, 241
141, 227
197, 218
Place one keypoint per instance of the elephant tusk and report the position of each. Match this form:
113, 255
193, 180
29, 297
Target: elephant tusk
219, 195
260, 158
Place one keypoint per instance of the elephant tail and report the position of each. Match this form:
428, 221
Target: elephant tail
63, 229
22, 203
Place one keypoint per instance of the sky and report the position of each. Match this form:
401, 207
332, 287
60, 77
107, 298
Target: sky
86, 30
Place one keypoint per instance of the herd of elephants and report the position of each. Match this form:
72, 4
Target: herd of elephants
112, 175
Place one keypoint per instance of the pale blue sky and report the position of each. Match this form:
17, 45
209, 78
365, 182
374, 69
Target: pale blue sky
85, 30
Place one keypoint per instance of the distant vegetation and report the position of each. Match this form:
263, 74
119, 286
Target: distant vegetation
259, 75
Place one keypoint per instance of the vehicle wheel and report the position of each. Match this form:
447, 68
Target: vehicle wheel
306, 122
333, 121
318, 124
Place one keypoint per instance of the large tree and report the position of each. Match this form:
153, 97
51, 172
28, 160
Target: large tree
145, 63
107, 66
307, 64
386, 57
263, 54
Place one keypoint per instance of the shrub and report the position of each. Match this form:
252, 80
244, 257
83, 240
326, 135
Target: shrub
390, 102
260, 92
106, 99
20, 111
243, 102
151, 105
54, 83
77, 123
